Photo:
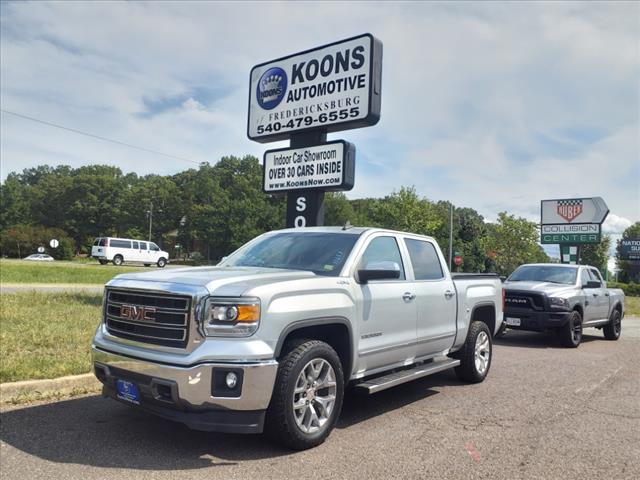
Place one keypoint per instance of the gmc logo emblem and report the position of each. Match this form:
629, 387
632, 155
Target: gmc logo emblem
138, 313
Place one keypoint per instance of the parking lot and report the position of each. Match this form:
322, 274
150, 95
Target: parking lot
544, 412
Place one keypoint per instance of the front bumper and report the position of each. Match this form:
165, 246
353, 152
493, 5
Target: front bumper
536, 321
195, 395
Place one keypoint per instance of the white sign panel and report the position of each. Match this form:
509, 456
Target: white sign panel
333, 87
573, 210
583, 228
328, 167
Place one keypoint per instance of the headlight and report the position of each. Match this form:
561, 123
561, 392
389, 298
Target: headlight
556, 302
232, 317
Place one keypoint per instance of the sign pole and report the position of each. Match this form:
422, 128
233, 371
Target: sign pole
305, 208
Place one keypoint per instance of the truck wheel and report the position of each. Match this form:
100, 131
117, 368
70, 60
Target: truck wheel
118, 260
571, 333
307, 396
613, 329
475, 356
103, 262
162, 262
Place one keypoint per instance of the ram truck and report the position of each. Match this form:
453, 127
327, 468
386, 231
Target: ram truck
270, 338
563, 299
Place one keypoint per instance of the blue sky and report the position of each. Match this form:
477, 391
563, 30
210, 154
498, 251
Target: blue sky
493, 106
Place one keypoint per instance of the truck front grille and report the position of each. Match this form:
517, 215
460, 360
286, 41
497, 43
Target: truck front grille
155, 318
524, 300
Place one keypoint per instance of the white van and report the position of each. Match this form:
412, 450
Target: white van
120, 250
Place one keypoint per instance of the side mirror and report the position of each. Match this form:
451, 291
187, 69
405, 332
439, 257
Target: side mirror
379, 271
592, 284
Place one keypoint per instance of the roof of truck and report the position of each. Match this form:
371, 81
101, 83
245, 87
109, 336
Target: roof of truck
347, 229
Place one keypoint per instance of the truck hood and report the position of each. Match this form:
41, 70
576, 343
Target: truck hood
224, 281
542, 287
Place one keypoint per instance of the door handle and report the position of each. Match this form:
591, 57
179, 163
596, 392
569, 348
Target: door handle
606, 294
449, 294
408, 296
595, 294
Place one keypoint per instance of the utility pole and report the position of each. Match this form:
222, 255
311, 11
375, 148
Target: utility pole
450, 236
150, 212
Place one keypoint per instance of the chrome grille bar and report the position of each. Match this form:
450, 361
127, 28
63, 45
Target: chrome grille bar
153, 318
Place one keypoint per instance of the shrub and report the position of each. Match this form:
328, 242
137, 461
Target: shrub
629, 289
22, 240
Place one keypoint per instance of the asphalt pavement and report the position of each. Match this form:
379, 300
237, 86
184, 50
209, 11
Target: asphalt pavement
544, 412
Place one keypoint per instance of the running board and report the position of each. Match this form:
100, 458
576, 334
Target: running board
377, 384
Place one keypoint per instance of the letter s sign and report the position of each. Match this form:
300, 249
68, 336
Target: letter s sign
301, 206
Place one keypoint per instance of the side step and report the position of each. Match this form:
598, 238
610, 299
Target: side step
377, 384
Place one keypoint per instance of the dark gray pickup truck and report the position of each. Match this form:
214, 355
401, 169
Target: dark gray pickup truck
562, 298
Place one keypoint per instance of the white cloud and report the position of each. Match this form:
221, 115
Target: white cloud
493, 105
615, 224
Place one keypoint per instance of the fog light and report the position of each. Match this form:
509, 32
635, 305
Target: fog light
231, 380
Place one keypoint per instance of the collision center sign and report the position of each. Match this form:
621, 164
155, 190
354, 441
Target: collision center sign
572, 220
328, 167
334, 87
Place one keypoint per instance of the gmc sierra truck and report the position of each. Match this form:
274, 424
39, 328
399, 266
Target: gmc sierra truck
269, 338
564, 299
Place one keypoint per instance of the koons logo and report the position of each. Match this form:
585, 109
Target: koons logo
271, 88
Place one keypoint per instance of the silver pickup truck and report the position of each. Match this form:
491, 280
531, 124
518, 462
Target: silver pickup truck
270, 337
564, 299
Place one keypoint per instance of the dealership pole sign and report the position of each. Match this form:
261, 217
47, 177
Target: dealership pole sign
301, 98
572, 221
630, 249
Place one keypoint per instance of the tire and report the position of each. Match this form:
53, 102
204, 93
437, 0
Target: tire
118, 260
295, 427
476, 355
103, 262
571, 333
613, 329
162, 262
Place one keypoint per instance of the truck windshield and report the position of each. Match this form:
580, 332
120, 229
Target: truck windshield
544, 273
321, 253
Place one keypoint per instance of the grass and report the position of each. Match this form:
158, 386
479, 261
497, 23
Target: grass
47, 335
21, 271
632, 306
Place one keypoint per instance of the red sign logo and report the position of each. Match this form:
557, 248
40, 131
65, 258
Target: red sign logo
569, 209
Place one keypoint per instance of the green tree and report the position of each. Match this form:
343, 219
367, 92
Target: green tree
19, 241
405, 211
513, 241
597, 254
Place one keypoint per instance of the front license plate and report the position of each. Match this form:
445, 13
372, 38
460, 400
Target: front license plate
128, 391
514, 322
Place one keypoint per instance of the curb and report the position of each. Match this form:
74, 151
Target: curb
41, 388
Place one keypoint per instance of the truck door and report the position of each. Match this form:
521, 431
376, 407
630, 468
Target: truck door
387, 309
599, 296
593, 297
435, 298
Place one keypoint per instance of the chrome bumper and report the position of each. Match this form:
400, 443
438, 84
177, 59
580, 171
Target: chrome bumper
190, 388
